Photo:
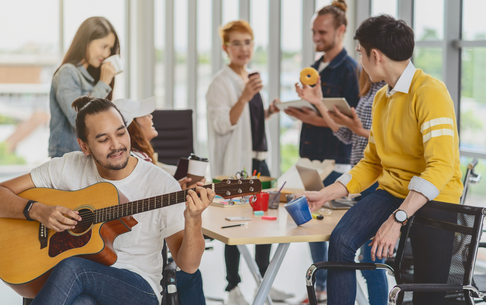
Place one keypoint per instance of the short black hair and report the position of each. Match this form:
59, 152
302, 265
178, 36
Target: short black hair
392, 37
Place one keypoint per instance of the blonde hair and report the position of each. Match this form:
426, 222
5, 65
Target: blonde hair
234, 26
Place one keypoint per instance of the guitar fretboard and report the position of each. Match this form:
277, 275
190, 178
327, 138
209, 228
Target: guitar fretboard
143, 205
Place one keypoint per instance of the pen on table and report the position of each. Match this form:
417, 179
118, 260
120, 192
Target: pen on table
278, 194
230, 226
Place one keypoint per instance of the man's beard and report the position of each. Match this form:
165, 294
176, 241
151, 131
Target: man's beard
328, 47
110, 166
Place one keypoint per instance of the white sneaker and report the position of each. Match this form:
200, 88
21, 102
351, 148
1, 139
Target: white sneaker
236, 298
279, 296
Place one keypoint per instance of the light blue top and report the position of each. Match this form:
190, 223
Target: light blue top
69, 83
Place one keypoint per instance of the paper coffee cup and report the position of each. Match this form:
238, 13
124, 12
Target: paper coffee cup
115, 60
196, 170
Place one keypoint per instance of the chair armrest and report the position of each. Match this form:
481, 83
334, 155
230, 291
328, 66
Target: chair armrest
350, 266
423, 287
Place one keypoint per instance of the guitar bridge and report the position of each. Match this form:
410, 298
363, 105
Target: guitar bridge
43, 231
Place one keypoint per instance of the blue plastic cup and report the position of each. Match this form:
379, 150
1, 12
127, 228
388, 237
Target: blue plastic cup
299, 210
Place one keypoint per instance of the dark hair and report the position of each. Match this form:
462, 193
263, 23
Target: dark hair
139, 141
392, 37
338, 10
91, 29
88, 105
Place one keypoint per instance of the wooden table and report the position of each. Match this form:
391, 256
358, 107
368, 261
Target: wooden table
258, 231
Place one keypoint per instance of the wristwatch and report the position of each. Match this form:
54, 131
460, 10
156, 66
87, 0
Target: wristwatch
400, 216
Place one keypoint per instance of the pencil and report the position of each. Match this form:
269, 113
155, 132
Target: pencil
238, 225
258, 176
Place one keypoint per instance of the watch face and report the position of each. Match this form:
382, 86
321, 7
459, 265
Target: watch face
401, 216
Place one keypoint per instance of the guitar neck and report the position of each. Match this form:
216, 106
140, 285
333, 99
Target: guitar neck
143, 205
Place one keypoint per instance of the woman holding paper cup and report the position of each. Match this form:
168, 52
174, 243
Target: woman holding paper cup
237, 134
82, 72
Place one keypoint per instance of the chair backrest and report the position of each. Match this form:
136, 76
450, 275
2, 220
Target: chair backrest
175, 137
455, 231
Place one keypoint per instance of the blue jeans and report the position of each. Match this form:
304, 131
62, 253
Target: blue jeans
190, 288
318, 250
78, 281
362, 222
375, 279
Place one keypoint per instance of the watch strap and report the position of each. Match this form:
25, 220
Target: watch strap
27, 208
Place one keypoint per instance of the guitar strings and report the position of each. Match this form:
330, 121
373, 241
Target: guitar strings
147, 204
144, 204
109, 212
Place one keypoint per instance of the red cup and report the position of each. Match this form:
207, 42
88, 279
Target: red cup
261, 202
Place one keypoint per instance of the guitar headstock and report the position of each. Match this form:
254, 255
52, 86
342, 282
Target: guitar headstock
230, 188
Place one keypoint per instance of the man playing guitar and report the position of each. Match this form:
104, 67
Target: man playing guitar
134, 277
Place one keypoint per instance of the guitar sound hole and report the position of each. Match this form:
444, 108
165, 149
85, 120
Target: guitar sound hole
86, 222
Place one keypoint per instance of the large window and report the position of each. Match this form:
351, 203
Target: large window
429, 32
29, 55
388, 7
291, 65
180, 44
204, 36
159, 45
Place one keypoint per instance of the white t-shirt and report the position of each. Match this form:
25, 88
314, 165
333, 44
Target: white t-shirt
139, 250
322, 66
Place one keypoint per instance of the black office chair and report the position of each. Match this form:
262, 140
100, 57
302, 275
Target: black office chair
456, 284
175, 138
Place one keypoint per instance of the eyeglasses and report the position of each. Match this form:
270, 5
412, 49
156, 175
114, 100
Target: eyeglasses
240, 44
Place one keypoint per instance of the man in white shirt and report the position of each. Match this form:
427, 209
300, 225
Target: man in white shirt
135, 277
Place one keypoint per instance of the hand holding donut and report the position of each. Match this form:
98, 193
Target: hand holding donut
252, 87
310, 94
309, 76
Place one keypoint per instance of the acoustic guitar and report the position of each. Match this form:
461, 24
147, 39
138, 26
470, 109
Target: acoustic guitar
30, 251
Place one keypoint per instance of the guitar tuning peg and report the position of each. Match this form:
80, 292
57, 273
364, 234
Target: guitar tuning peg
231, 202
243, 200
254, 198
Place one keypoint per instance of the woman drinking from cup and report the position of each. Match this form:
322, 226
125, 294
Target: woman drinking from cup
237, 135
82, 72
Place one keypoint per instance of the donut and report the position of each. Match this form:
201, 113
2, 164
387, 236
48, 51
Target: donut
308, 76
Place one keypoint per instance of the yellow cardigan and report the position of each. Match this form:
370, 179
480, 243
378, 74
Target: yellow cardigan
413, 144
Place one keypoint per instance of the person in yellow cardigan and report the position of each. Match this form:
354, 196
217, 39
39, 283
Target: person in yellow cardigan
413, 153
